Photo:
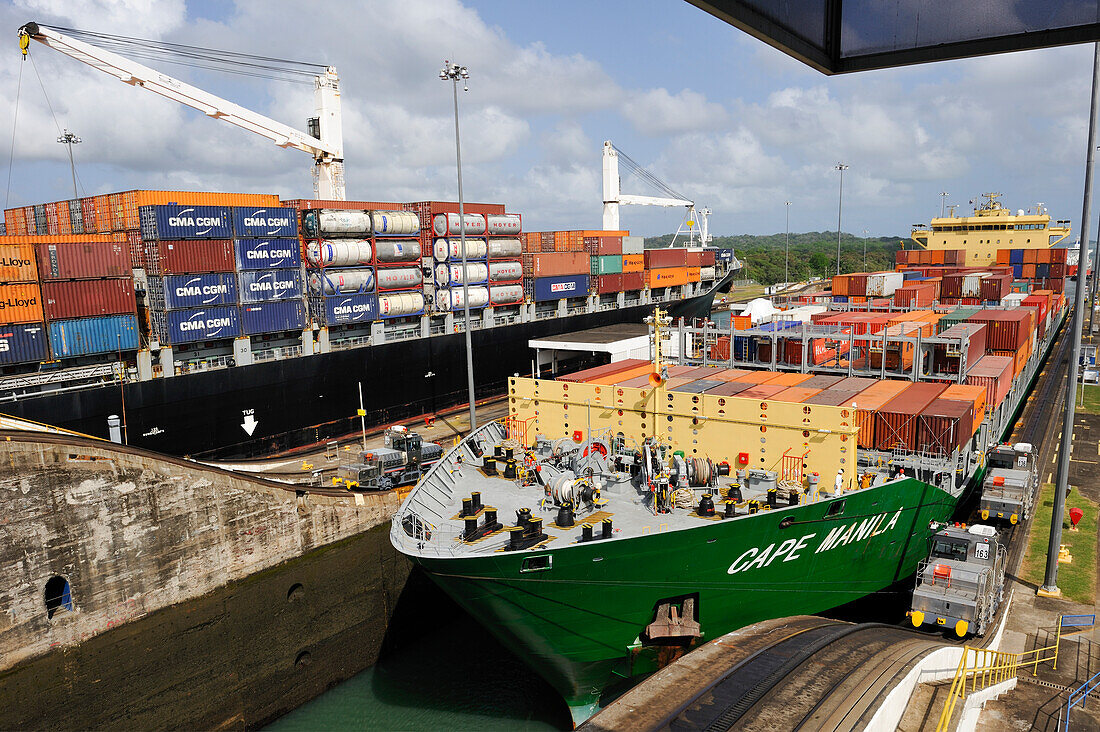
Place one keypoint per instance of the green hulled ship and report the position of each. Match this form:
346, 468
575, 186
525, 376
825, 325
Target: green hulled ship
607, 526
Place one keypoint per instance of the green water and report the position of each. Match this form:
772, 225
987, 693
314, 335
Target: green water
439, 670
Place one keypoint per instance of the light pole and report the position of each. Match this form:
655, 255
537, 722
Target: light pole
787, 249
69, 139
839, 207
943, 201
865, 232
453, 72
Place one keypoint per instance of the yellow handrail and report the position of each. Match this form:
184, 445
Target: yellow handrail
991, 667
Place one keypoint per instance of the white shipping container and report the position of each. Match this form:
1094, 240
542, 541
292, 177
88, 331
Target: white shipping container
884, 284
972, 284
633, 245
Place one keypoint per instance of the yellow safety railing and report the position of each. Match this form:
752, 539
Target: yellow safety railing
980, 668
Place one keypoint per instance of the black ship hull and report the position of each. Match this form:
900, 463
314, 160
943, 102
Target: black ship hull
305, 400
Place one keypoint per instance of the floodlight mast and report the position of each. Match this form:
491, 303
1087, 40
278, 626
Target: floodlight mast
327, 147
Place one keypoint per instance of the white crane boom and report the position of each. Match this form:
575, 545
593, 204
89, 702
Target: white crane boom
327, 148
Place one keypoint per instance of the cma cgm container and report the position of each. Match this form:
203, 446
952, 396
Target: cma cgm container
346, 309
267, 253
556, 288
199, 290
249, 221
65, 299
86, 336
270, 285
171, 221
17, 263
68, 260
25, 343
202, 324
272, 317
181, 256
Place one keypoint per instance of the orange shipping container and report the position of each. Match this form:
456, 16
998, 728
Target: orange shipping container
633, 262
20, 303
729, 374
102, 213
796, 394
758, 377
694, 274
667, 277
64, 220
789, 379
741, 322
17, 262
868, 403
975, 395
622, 376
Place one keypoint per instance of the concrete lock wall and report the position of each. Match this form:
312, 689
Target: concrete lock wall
199, 598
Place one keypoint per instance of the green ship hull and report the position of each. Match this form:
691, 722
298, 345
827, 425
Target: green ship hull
578, 624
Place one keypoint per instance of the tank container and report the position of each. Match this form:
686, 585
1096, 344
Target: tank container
503, 224
267, 253
447, 275
334, 222
256, 221
342, 282
505, 294
397, 251
451, 299
399, 278
340, 253
350, 309
24, 343
272, 317
86, 336
446, 224
450, 250
201, 324
271, 284
199, 290
707, 273
395, 223
505, 271
397, 304
501, 248
172, 221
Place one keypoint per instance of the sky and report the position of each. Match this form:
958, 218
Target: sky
717, 115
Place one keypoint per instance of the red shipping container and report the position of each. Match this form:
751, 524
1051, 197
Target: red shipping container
1006, 330
915, 296
840, 285
603, 245
137, 249
62, 299
695, 259
896, 421
69, 260
857, 284
633, 281
708, 258
552, 264
609, 283
944, 426
190, 256
995, 287
945, 358
995, 374
662, 258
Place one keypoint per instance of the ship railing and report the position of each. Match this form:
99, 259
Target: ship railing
403, 333
338, 344
276, 354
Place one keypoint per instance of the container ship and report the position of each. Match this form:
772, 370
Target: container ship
222, 325
621, 514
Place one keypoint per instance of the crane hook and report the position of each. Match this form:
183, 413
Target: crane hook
24, 42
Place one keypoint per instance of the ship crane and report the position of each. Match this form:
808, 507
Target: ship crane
324, 141
613, 198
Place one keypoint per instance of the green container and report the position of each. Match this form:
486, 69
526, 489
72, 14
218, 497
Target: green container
607, 264
956, 316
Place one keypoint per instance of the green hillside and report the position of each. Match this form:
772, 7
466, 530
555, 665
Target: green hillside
811, 252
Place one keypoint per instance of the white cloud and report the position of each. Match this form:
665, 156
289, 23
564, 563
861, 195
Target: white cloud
656, 112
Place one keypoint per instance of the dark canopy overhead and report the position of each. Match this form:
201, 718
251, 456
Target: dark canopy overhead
841, 36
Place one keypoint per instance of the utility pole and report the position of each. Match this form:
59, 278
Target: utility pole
839, 207
69, 139
787, 248
454, 72
1050, 579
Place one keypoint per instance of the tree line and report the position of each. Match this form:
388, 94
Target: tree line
812, 253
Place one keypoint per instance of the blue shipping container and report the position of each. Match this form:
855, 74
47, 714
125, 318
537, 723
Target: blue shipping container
252, 221
1015, 256
23, 343
351, 309
93, 335
840, 298
910, 275
267, 253
1042, 270
1017, 271
555, 288
272, 284
172, 221
203, 324
272, 317
200, 290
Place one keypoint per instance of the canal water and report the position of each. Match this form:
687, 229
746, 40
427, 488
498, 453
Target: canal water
439, 670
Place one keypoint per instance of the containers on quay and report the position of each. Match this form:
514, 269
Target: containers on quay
266, 253
447, 224
201, 324
199, 290
500, 248
173, 221
555, 288
345, 309
181, 256
272, 317
263, 222
269, 285
23, 343
395, 223
72, 260
65, 299
86, 336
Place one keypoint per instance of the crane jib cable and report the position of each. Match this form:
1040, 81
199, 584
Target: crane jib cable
633, 167
14, 124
